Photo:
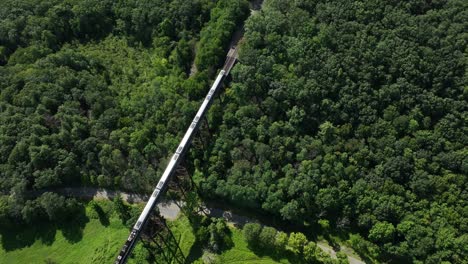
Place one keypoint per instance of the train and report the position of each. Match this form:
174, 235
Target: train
170, 169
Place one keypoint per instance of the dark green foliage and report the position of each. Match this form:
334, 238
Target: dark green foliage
52, 23
45, 126
212, 234
251, 233
122, 210
4, 209
215, 37
354, 112
53, 205
219, 236
267, 237
295, 246
48, 207
134, 213
351, 112
96, 93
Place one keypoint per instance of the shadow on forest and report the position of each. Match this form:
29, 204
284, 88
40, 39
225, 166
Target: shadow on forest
17, 235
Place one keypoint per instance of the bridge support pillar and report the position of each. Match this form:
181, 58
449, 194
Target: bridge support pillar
160, 242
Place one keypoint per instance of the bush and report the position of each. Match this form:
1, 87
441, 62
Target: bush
324, 224
267, 237
53, 204
281, 241
134, 213
309, 252
122, 210
210, 258
214, 233
219, 235
342, 257
251, 233
296, 242
363, 247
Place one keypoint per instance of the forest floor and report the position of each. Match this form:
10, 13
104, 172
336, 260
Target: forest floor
171, 210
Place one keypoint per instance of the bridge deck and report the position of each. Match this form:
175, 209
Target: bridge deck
230, 60
174, 162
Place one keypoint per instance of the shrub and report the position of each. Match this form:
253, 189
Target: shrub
267, 237
281, 241
251, 233
296, 242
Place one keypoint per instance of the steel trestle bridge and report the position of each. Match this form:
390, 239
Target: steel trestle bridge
184, 145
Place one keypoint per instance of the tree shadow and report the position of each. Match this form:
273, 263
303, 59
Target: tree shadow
228, 242
276, 255
103, 218
16, 236
332, 242
196, 252
47, 235
72, 228
224, 236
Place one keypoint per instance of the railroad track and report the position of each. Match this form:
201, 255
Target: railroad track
184, 145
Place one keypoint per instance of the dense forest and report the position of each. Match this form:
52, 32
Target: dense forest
353, 112
342, 115
98, 92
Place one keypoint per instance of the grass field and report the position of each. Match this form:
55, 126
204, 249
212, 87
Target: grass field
239, 253
85, 240
90, 239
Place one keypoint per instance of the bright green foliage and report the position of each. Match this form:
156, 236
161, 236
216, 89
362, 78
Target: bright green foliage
72, 241
281, 241
140, 255
363, 246
342, 258
239, 253
382, 232
297, 242
324, 224
216, 35
309, 251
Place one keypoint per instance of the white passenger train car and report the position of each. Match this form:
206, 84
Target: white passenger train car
168, 172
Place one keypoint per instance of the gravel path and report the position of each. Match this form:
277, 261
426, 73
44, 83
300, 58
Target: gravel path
168, 209
329, 250
99, 193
